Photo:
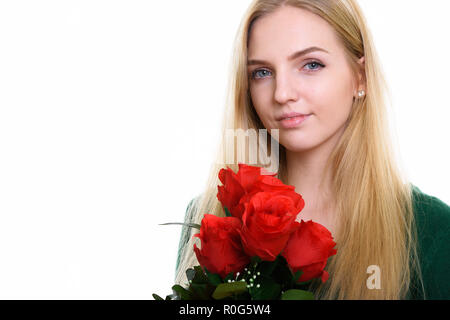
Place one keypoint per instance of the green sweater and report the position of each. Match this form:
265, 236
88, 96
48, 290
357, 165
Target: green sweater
433, 229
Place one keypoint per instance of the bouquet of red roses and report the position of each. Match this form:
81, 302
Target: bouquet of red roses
258, 251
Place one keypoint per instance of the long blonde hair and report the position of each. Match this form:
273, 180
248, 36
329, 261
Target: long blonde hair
374, 204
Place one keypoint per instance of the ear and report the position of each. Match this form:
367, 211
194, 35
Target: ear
361, 76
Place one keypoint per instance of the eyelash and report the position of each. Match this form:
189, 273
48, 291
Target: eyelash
254, 72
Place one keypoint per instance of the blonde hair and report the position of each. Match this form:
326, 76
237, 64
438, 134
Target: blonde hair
373, 203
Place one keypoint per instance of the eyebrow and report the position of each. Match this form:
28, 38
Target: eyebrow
293, 56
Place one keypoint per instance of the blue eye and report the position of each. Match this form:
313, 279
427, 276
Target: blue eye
262, 73
259, 71
316, 64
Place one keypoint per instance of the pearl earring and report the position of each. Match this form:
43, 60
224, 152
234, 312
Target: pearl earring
361, 93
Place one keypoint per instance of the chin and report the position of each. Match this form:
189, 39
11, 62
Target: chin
298, 145
300, 141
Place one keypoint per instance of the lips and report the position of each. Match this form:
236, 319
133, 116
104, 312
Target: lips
293, 120
290, 115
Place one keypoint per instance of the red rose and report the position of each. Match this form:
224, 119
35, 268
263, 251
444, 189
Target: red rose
308, 250
231, 192
268, 183
238, 186
249, 175
264, 183
268, 221
221, 250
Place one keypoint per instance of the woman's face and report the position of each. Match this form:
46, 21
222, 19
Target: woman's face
319, 83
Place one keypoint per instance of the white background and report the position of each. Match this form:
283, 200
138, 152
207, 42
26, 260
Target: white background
110, 111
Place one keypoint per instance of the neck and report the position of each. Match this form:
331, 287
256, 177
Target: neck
306, 172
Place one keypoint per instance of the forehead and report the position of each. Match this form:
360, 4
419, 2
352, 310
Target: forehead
287, 30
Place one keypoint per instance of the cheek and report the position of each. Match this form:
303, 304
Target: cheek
333, 102
262, 103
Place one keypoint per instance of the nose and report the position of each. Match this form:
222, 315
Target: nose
286, 88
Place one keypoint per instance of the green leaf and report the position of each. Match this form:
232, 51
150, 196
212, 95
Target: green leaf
199, 276
268, 289
296, 294
213, 278
224, 290
255, 260
190, 274
156, 297
182, 292
229, 276
190, 225
305, 283
266, 267
199, 291
282, 273
297, 275
173, 297
227, 212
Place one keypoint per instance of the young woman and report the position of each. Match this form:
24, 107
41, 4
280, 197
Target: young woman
309, 69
